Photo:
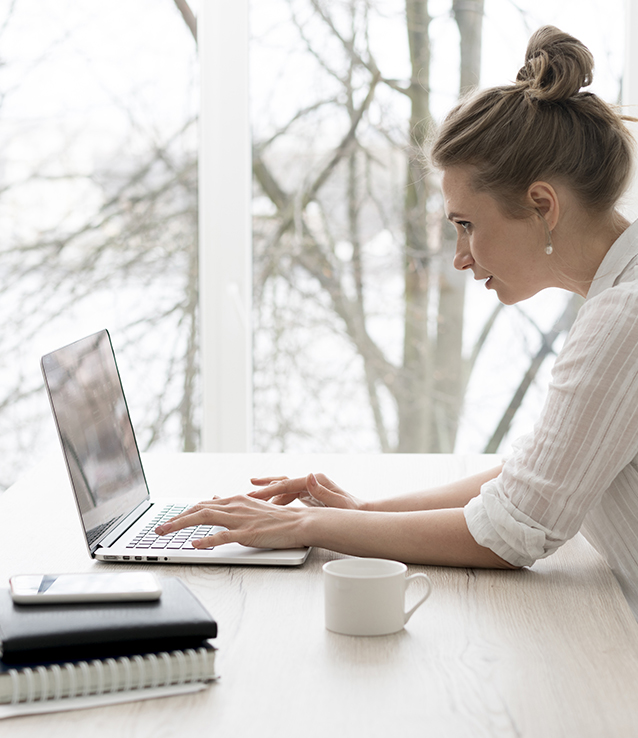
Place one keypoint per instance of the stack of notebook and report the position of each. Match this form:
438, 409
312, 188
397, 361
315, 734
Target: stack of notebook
61, 657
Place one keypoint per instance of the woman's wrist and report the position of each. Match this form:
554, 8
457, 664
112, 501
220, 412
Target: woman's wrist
324, 527
310, 528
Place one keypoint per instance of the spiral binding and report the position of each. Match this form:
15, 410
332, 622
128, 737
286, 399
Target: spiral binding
45, 683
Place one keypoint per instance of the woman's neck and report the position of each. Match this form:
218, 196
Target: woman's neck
581, 242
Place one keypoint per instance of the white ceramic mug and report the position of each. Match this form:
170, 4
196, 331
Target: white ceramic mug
366, 597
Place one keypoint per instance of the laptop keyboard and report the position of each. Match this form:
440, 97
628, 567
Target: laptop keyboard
181, 539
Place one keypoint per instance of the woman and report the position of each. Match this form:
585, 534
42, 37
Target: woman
531, 176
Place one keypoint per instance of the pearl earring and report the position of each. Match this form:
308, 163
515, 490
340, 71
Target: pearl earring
549, 249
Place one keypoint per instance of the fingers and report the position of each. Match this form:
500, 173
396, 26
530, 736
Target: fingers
283, 491
200, 514
323, 491
217, 539
326, 482
200, 505
313, 490
263, 481
280, 487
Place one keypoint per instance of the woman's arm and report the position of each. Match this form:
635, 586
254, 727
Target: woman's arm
319, 490
434, 537
437, 537
453, 495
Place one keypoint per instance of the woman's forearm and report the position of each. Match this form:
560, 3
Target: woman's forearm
435, 537
453, 495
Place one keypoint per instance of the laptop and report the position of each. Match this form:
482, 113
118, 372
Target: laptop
106, 473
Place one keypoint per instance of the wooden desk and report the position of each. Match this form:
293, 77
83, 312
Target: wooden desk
550, 651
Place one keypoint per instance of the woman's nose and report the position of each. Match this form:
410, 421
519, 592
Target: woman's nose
462, 257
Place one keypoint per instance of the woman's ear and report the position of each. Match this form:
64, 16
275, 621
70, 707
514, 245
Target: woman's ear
543, 198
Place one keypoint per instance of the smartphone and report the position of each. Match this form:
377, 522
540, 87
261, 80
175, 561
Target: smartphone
129, 586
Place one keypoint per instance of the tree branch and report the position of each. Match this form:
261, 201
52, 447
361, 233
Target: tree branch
369, 64
188, 16
563, 323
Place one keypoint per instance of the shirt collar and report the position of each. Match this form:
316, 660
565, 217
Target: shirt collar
623, 251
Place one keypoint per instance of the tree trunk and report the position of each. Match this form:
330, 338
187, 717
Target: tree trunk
190, 431
413, 388
449, 383
448, 377
468, 15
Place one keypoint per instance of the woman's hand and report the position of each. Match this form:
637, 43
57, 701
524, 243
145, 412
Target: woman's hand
246, 520
260, 519
313, 490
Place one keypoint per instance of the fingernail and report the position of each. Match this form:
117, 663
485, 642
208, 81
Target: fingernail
196, 543
163, 529
313, 480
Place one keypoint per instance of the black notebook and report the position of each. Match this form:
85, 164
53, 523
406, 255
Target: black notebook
32, 634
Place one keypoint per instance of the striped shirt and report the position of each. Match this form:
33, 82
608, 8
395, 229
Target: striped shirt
578, 469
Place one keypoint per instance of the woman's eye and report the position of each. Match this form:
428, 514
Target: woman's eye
465, 225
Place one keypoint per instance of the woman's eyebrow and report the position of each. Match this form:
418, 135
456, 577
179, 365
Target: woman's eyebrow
452, 216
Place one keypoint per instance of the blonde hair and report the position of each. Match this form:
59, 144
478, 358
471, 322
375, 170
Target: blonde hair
539, 128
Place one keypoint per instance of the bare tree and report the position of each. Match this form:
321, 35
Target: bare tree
352, 253
427, 380
135, 243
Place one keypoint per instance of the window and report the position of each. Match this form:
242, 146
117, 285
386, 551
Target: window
98, 216
304, 340
342, 362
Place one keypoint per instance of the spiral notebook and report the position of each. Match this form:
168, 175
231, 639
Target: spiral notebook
56, 687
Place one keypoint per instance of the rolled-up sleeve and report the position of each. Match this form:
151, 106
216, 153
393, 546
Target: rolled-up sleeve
497, 524
586, 436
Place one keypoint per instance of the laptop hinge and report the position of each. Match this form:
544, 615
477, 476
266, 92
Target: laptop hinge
110, 538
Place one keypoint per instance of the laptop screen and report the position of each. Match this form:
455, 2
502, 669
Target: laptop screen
96, 433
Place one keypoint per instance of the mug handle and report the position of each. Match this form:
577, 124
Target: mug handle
411, 611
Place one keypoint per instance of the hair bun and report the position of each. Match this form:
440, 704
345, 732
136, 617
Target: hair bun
556, 65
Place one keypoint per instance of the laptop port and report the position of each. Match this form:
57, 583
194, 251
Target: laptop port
126, 558
139, 558
152, 558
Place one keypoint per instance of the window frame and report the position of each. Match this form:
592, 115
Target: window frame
225, 233
630, 94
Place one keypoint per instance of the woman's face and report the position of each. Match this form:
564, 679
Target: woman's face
509, 254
